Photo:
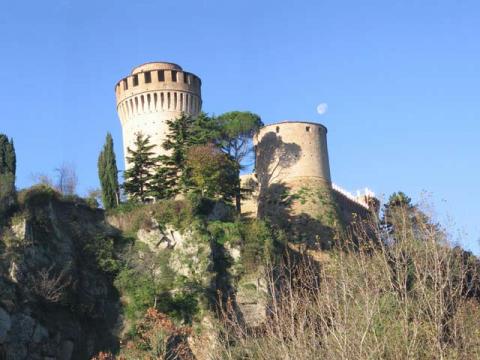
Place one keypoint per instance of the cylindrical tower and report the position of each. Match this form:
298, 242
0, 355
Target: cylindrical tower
292, 152
294, 184
153, 93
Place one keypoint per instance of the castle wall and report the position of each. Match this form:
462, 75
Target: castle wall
150, 95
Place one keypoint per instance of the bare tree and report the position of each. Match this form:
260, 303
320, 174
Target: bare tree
67, 179
49, 284
41, 179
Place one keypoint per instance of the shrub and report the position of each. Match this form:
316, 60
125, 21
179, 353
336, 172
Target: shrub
37, 195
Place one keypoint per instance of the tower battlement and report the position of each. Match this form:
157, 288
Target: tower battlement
152, 94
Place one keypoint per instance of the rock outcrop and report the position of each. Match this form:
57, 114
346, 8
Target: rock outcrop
55, 300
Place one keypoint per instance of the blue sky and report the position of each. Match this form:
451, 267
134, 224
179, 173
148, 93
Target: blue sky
401, 80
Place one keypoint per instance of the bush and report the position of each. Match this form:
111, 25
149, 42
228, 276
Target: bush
101, 249
37, 195
260, 244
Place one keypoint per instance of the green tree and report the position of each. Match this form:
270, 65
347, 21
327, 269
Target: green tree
8, 159
8, 163
141, 165
212, 172
236, 131
172, 175
108, 175
399, 213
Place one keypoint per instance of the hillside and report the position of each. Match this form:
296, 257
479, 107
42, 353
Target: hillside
187, 279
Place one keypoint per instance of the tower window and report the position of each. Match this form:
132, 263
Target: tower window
308, 128
161, 75
278, 129
135, 80
125, 84
148, 77
174, 76
185, 78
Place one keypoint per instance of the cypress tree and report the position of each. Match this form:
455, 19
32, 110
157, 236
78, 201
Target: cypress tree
108, 174
8, 160
8, 165
142, 163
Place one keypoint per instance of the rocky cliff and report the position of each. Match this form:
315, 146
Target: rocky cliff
57, 301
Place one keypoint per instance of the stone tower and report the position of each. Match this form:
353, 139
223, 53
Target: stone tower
153, 93
294, 188
293, 152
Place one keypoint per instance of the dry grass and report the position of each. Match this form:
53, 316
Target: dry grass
409, 296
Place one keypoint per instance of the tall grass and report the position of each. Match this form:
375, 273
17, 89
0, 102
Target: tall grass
406, 295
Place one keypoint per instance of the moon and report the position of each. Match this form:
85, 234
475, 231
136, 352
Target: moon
322, 108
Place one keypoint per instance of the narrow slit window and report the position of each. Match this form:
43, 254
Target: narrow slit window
278, 129
135, 80
174, 76
148, 77
185, 78
125, 84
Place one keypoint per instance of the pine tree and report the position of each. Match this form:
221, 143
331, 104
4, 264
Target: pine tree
108, 174
236, 132
172, 176
139, 175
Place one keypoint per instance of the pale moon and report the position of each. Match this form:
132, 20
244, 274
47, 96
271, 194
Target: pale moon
322, 108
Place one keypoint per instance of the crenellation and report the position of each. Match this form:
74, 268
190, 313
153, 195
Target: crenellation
292, 172
152, 94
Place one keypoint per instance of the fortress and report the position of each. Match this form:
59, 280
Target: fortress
150, 95
291, 182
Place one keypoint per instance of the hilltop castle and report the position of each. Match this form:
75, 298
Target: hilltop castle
292, 172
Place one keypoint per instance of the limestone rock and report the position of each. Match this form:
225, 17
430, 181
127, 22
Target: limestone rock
5, 324
159, 239
39, 334
22, 328
66, 350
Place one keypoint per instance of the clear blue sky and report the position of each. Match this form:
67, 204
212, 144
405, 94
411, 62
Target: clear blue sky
401, 80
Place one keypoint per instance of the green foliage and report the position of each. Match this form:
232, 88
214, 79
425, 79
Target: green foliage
141, 162
399, 212
178, 213
8, 159
8, 165
37, 195
172, 176
260, 244
102, 249
225, 232
108, 175
236, 131
211, 172
147, 281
